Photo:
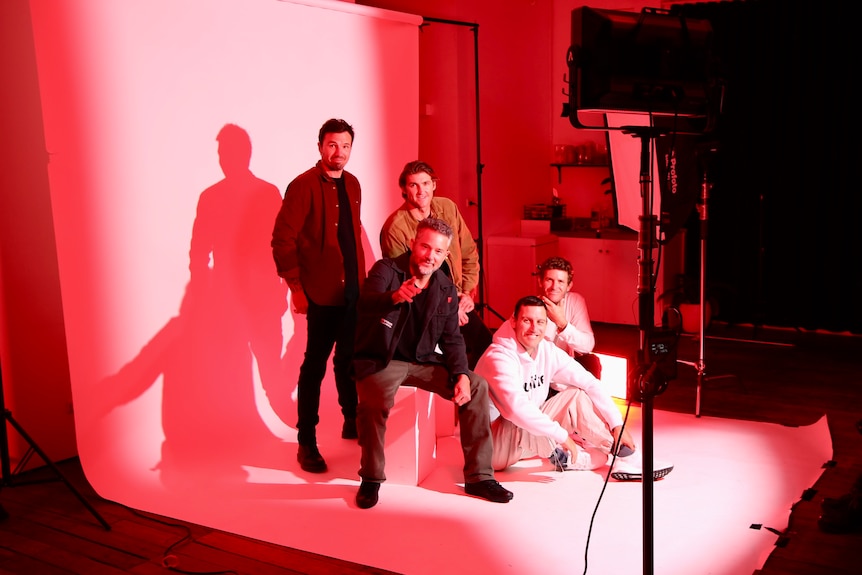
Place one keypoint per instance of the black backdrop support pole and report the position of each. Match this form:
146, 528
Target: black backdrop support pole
5, 459
480, 242
480, 304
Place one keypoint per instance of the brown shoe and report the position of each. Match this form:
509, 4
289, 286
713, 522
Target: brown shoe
310, 459
367, 496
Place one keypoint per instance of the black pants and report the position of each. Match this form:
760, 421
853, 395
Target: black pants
477, 338
328, 326
591, 363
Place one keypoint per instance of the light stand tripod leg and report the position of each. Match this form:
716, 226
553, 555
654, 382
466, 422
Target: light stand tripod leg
483, 306
5, 459
54, 468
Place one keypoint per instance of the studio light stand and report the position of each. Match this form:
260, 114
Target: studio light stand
649, 378
6, 466
658, 64
700, 364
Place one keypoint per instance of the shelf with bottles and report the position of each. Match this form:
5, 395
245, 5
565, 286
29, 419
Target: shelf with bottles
588, 155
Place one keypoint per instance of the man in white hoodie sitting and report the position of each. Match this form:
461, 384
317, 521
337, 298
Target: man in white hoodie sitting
577, 428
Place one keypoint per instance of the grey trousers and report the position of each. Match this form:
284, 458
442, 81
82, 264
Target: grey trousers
377, 396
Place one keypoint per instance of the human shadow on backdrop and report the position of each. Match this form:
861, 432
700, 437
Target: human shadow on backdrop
229, 319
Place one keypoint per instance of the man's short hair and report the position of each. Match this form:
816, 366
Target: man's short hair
334, 126
529, 301
415, 167
555, 263
436, 225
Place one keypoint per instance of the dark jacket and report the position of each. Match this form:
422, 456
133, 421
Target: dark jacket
381, 322
305, 236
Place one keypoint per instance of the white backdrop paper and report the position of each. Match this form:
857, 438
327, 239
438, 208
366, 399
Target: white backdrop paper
165, 366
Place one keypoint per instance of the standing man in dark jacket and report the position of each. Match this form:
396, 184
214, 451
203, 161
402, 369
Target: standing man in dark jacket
407, 309
317, 248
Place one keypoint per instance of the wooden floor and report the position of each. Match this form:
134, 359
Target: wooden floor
789, 377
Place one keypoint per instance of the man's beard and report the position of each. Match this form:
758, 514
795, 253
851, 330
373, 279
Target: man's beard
426, 269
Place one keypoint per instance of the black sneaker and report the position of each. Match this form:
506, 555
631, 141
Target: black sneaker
367, 496
489, 489
310, 459
630, 468
348, 430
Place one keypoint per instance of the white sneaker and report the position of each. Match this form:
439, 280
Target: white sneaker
630, 468
589, 458
586, 459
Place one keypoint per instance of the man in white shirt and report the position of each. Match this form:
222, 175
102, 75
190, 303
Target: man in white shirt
568, 321
577, 428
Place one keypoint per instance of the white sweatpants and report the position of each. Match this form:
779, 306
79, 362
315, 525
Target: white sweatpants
572, 409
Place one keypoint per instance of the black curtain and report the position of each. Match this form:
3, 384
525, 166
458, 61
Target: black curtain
783, 243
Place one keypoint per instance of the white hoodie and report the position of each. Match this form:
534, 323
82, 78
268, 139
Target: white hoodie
519, 384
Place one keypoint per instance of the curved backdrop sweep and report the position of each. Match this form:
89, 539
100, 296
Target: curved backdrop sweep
183, 351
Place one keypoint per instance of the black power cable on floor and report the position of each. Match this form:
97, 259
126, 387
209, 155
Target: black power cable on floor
612, 460
169, 560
